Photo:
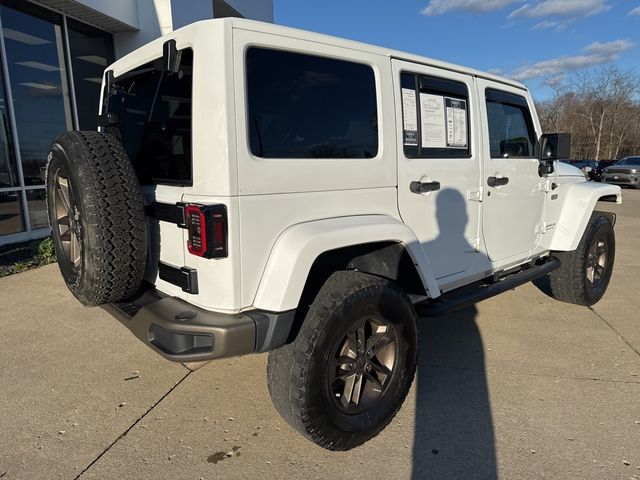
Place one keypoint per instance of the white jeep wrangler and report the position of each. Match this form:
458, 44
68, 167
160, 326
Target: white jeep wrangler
258, 188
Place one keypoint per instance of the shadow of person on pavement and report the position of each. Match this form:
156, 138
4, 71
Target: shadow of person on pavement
454, 435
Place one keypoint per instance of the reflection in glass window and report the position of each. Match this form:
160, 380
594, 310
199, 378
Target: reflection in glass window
35, 56
304, 106
10, 213
37, 202
91, 51
8, 172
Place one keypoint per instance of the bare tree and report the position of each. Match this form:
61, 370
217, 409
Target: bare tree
600, 108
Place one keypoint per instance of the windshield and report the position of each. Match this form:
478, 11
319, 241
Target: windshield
153, 107
629, 161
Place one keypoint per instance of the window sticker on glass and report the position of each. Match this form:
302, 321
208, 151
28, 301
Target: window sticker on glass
456, 122
409, 116
433, 121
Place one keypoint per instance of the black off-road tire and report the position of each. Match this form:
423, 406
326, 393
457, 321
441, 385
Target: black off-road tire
106, 215
570, 283
297, 372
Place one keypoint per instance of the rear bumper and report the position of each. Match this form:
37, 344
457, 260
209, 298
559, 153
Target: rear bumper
181, 332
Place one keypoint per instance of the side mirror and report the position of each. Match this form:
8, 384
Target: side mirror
555, 146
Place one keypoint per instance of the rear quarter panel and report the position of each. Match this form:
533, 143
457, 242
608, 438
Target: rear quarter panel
275, 194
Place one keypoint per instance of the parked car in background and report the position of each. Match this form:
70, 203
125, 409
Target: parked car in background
596, 173
624, 172
587, 167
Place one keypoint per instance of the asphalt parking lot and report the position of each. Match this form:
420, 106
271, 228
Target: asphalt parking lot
521, 386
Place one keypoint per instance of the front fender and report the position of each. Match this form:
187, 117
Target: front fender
578, 202
298, 246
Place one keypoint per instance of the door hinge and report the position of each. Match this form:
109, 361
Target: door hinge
473, 246
474, 194
541, 227
544, 185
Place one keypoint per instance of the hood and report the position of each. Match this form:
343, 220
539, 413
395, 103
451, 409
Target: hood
566, 170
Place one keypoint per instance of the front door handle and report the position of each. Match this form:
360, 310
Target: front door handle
497, 181
422, 187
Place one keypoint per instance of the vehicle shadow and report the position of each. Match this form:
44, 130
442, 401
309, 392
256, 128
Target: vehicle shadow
454, 435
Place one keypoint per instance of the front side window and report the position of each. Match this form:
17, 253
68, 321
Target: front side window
511, 132
305, 106
153, 108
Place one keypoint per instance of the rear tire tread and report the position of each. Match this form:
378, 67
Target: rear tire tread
287, 367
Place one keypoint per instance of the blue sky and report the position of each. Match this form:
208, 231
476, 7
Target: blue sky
528, 40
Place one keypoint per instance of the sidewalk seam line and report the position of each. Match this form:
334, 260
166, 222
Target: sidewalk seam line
615, 331
124, 434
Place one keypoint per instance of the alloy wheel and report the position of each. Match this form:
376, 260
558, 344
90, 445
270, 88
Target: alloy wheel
363, 365
67, 218
596, 260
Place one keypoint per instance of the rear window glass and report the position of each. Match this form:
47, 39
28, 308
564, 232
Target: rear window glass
435, 117
304, 106
154, 112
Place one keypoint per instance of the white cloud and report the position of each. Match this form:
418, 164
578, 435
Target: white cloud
561, 8
609, 48
548, 24
595, 54
439, 7
635, 11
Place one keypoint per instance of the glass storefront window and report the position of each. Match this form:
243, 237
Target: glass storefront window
41, 49
8, 172
37, 202
10, 213
91, 51
35, 58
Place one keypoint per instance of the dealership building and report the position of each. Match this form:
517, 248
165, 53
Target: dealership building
53, 53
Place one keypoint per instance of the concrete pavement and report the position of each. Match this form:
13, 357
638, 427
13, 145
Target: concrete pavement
521, 386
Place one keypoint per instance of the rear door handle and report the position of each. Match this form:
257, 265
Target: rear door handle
422, 187
497, 181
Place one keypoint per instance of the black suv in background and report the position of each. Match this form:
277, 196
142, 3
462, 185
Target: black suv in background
596, 173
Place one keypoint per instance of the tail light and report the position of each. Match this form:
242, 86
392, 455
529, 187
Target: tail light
207, 226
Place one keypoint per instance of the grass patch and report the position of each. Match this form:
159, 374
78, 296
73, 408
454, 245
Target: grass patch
25, 256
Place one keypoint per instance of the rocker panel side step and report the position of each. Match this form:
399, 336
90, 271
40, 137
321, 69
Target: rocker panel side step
466, 296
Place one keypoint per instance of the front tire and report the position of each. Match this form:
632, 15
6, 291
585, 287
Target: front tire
584, 274
351, 365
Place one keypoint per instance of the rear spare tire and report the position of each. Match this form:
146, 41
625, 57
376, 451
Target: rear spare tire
96, 213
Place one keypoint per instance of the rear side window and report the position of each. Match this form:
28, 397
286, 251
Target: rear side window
305, 106
435, 117
154, 120
511, 132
